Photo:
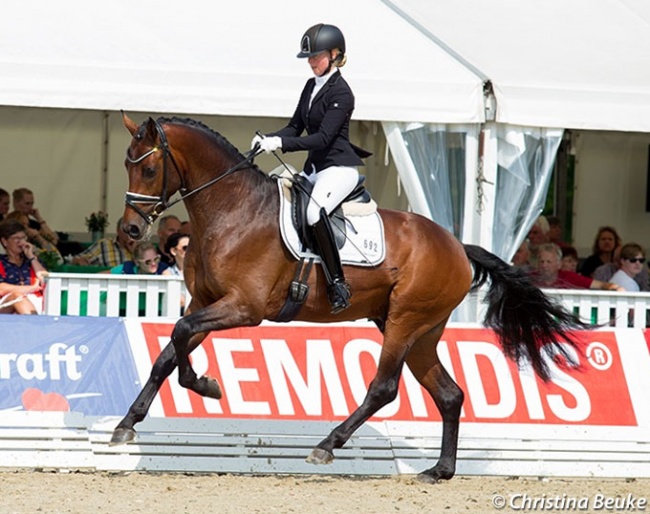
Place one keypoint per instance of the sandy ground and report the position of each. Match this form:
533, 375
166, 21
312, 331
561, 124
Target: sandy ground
35, 492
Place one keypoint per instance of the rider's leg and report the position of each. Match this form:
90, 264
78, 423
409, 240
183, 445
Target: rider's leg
331, 187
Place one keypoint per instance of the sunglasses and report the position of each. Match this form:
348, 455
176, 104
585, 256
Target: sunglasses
150, 262
636, 259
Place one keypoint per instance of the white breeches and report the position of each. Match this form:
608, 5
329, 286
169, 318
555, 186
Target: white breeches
331, 186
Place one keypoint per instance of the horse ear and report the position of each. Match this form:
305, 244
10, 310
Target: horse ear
130, 125
151, 130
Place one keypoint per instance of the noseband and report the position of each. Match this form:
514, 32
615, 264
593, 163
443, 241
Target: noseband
162, 202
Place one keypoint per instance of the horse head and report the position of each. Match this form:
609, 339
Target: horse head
149, 162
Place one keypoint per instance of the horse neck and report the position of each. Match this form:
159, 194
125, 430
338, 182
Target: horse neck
238, 199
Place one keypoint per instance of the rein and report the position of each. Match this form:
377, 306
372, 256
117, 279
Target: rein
162, 202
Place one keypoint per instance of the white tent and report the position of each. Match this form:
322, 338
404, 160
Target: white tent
581, 64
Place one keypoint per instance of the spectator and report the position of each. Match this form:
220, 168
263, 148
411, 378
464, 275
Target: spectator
632, 263
569, 258
21, 274
549, 274
537, 235
167, 226
521, 258
146, 261
606, 242
605, 272
177, 248
186, 228
555, 231
24, 202
108, 252
41, 245
4, 203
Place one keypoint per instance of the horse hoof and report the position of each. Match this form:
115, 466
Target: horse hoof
433, 476
320, 456
122, 436
209, 387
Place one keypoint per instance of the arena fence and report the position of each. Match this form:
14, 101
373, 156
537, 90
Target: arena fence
155, 296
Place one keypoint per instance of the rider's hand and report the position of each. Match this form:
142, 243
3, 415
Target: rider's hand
256, 141
271, 144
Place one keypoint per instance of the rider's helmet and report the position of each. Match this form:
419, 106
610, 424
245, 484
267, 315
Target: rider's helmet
320, 38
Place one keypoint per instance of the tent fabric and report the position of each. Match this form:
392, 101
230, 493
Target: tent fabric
223, 58
581, 64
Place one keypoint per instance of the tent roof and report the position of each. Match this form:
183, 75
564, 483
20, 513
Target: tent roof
578, 64
227, 58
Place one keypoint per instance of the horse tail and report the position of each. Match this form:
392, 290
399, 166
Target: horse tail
526, 321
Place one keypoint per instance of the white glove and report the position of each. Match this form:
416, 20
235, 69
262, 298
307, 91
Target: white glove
256, 141
271, 144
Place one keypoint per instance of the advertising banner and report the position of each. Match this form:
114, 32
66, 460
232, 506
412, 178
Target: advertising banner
66, 364
320, 372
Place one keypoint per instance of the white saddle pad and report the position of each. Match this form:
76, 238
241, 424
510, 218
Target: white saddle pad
364, 244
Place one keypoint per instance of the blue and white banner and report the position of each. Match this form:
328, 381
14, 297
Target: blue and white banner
66, 364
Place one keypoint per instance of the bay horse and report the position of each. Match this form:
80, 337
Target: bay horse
238, 273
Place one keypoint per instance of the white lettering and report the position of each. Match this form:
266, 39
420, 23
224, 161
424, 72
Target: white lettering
320, 365
532, 397
469, 351
233, 376
556, 402
37, 366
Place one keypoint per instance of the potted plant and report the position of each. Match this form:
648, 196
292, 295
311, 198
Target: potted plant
97, 223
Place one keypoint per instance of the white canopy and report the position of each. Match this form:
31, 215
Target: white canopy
227, 58
570, 64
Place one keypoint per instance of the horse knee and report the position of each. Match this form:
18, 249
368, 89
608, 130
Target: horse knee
182, 330
382, 393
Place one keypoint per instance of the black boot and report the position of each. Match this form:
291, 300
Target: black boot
338, 289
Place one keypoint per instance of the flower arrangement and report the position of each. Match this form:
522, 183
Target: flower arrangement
97, 221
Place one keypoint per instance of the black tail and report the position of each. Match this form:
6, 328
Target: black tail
523, 317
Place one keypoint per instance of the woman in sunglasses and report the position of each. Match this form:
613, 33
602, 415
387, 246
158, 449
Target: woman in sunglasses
176, 246
146, 261
631, 264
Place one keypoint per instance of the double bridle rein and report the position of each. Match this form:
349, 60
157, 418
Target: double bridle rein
163, 202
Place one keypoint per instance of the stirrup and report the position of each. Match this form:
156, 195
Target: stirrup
339, 296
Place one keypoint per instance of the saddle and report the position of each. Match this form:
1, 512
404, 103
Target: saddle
300, 196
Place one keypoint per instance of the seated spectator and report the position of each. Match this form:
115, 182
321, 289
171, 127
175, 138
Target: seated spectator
632, 263
606, 272
106, 251
186, 228
24, 202
167, 225
521, 258
146, 261
606, 242
569, 258
550, 275
22, 276
537, 235
41, 245
4, 203
177, 247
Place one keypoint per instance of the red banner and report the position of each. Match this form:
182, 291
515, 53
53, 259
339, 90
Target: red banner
321, 373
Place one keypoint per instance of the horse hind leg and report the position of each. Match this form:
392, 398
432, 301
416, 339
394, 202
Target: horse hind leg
423, 362
381, 391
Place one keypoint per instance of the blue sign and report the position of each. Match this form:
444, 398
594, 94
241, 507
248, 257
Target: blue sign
75, 364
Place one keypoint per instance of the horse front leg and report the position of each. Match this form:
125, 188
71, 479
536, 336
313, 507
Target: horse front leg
163, 367
219, 316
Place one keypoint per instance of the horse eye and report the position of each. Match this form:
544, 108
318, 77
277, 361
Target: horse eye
149, 171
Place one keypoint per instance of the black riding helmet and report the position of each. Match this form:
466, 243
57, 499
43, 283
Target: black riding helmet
320, 38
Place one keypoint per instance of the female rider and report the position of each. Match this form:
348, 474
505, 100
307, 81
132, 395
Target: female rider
324, 112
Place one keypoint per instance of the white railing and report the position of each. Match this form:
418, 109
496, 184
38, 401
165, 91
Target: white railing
99, 294
613, 309
154, 296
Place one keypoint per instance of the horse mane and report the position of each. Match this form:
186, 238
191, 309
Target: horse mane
219, 140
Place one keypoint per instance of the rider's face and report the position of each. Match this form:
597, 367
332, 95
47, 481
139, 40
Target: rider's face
319, 63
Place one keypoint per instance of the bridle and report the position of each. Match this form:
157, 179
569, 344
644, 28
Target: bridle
163, 202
